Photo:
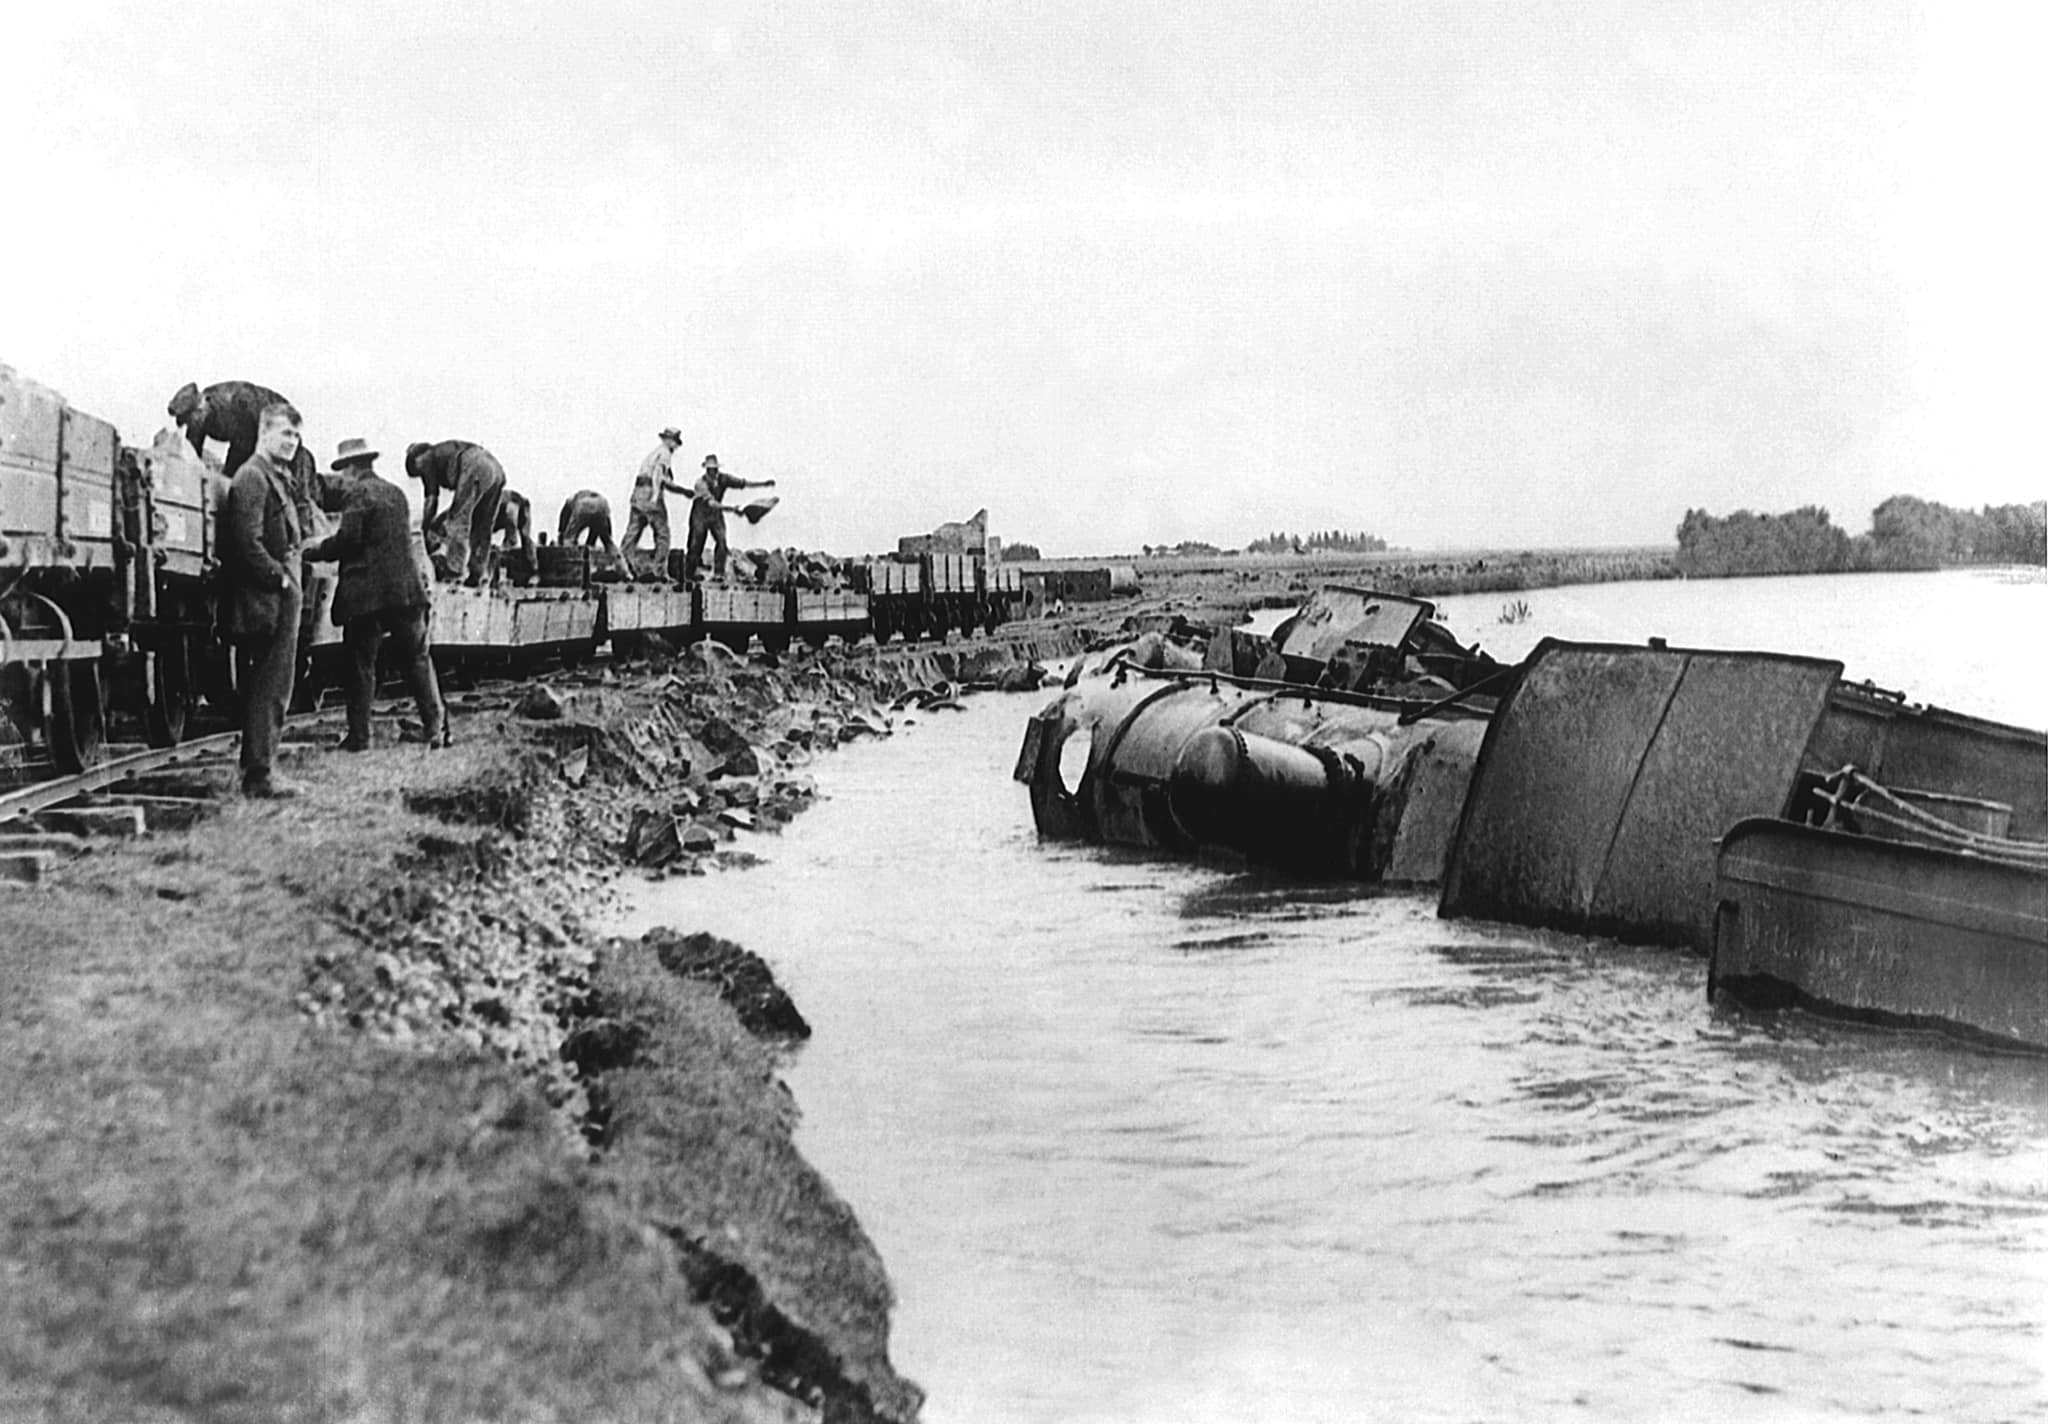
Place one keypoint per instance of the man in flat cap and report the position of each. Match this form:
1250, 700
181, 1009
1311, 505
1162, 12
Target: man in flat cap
474, 482
649, 509
380, 593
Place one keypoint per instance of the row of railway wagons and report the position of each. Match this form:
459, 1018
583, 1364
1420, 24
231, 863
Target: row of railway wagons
884, 598
109, 564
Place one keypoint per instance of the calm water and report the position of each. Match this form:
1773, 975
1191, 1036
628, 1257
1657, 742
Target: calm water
1148, 1141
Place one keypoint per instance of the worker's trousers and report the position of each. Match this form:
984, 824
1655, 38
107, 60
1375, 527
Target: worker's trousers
265, 665
466, 535
657, 520
705, 519
363, 636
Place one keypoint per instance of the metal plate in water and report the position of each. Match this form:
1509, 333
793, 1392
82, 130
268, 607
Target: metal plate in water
1882, 930
1608, 774
1336, 614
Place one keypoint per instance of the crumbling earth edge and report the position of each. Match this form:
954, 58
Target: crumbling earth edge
339, 1109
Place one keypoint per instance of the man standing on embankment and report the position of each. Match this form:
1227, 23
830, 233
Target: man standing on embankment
261, 594
380, 594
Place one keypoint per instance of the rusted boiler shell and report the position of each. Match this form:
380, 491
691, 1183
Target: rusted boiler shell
1295, 779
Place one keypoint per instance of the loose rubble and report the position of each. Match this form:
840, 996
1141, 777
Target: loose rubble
481, 938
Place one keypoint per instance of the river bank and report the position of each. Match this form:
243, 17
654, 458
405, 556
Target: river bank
1225, 588
339, 1108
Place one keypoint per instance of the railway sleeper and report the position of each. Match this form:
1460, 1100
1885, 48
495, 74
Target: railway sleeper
25, 867
114, 821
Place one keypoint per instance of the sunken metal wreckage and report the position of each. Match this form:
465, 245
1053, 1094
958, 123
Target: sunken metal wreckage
1825, 844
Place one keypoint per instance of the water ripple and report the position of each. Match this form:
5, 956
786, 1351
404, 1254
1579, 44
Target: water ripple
1143, 1141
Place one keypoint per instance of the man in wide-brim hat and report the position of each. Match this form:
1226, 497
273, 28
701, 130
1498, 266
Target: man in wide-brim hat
352, 452
380, 594
649, 508
707, 516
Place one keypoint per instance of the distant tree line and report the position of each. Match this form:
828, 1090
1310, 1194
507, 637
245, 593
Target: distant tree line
1802, 542
1909, 533
1018, 553
1328, 539
1185, 549
1905, 533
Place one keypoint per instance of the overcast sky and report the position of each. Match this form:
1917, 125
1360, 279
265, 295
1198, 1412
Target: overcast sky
1459, 274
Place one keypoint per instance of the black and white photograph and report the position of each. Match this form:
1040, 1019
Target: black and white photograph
912, 712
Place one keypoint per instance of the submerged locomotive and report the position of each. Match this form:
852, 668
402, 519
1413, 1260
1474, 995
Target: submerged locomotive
1342, 747
1824, 844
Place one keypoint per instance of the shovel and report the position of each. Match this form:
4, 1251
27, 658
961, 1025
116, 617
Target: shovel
754, 509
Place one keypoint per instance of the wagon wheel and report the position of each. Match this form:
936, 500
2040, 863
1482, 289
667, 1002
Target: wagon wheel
313, 676
215, 676
18, 698
74, 718
168, 694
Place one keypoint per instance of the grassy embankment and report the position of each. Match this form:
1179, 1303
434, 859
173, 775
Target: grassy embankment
1227, 586
287, 1131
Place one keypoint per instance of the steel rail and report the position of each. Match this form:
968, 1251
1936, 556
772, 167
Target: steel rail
42, 795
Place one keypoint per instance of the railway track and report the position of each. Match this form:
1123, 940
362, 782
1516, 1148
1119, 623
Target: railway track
159, 789
55, 791
45, 813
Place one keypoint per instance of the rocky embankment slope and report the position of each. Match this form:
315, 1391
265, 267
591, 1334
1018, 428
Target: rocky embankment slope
338, 1108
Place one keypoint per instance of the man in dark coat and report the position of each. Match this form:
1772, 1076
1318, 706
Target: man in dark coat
474, 482
261, 591
380, 593
229, 411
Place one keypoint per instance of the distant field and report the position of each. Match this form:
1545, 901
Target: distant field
1326, 560
1239, 581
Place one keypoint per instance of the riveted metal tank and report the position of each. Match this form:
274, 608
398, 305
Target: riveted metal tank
1305, 779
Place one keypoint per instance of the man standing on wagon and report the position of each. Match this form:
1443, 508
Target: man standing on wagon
229, 411
475, 482
707, 516
649, 509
